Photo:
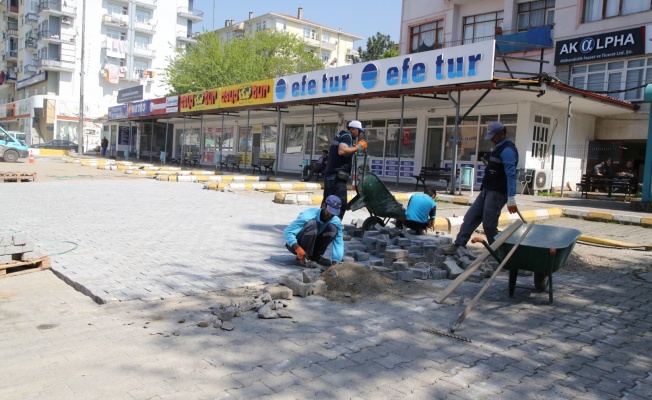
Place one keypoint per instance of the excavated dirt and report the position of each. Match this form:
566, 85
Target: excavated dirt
355, 282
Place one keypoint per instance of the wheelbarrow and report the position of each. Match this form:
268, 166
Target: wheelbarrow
372, 193
544, 251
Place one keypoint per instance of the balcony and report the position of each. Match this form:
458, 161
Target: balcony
30, 69
11, 32
185, 37
148, 4
328, 45
31, 44
532, 39
54, 37
116, 21
193, 15
145, 27
144, 52
57, 8
10, 55
54, 64
11, 74
31, 19
11, 11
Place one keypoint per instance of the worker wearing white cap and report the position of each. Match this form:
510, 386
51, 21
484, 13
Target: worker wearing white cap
340, 162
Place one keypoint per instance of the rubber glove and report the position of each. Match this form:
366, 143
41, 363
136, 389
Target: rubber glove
362, 145
301, 253
511, 205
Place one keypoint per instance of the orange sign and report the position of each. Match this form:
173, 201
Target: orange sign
206, 100
259, 92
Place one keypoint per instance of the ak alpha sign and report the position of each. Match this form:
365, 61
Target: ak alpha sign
626, 43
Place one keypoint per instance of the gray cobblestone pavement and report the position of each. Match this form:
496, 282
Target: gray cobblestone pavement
136, 241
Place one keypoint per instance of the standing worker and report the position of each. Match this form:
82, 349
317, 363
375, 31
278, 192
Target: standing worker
340, 162
498, 188
103, 145
421, 212
309, 235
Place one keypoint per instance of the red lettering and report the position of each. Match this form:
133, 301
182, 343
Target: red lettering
187, 100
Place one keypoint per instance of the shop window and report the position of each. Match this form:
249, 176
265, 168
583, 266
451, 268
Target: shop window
622, 80
471, 142
540, 137
324, 134
293, 139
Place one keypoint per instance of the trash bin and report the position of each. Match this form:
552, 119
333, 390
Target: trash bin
466, 177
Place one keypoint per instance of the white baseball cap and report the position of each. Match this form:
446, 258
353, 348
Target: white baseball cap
356, 124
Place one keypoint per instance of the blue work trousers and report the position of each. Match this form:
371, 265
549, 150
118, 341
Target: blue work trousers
486, 209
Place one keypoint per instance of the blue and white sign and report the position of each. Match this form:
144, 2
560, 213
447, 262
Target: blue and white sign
461, 64
118, 112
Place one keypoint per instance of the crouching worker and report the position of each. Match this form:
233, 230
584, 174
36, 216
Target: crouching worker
309, 235
421, 211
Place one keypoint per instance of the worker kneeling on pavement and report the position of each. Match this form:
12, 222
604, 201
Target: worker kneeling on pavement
309, 235
421, 211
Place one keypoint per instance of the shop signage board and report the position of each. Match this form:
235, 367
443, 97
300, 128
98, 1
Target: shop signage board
134, 93
617, 44
198, 101
455, 65
259, 92
118, 112
138, 109
164, 105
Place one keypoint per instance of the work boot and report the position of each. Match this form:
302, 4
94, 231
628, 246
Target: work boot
450, 248
321, 261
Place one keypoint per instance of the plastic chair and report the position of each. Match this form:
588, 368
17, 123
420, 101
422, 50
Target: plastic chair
524, 177
163, 156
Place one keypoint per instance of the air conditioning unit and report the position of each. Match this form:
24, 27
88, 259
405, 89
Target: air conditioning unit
542, 179
65, 20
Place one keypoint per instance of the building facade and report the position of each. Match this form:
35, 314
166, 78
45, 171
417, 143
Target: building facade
334, 47
126, 45
601, 46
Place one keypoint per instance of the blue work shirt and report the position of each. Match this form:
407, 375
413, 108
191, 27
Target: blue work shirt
291, 232
421, 208
510, 159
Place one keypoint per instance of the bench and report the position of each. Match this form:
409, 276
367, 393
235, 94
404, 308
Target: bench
592, 183
316, 174
191, 162
233, 160
432, 173
266, 163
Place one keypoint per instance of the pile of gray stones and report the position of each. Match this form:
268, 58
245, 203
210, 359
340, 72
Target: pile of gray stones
389, 250
407, 257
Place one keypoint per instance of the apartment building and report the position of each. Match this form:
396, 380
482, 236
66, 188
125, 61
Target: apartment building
335, 47
600, 46
126, 44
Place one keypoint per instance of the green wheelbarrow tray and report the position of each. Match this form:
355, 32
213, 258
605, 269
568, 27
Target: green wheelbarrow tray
381, 204
543, 251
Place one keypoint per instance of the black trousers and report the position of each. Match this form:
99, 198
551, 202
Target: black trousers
312, 242
337, 187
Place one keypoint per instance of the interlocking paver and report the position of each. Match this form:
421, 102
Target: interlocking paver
187, 246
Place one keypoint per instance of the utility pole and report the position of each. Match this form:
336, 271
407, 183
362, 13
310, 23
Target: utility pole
80, 144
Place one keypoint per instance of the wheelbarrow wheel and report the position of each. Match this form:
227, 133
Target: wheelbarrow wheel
370, 222
540, 281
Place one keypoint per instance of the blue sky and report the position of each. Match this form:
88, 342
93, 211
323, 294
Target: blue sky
360, 17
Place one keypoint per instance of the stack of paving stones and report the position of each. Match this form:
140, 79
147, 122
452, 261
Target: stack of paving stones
15, 247
408, 257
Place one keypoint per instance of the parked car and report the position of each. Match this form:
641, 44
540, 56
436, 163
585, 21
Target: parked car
57, 144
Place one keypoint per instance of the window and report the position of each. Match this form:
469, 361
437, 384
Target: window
141, 41
325, 56
115, 9
140, 65
113, 34
326, 38
261, 25
472, 128
536, 13
143, 16
309, 33
481, 27
426, 37
596, 10
115, 61
540, 136
623, 80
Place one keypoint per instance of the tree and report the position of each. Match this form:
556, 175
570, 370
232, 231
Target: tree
212, 63
379, 46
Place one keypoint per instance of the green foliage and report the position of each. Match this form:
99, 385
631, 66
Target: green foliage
212, 63
379, 46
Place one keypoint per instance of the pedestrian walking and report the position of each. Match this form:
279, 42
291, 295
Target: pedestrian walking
103, 145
